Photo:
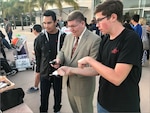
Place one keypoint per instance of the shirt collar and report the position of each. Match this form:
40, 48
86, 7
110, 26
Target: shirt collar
82, 34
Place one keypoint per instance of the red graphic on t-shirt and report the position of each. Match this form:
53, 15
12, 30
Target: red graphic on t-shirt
114, 51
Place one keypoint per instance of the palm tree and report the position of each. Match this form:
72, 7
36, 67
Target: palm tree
1, 4
4, 7
29, 7
19, 5
44, 3
13, 8
58, 3
9, 11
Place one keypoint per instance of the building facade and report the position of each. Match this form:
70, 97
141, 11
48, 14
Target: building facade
141, 7
131, 7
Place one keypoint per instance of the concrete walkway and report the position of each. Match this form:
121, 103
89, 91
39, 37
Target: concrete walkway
25, 79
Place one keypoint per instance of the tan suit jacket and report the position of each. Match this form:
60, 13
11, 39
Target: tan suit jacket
88, 46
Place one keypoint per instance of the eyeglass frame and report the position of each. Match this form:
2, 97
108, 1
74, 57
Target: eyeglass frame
73, 26
100, 19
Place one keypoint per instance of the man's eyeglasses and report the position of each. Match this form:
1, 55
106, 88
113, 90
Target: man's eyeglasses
100, 19
73, 26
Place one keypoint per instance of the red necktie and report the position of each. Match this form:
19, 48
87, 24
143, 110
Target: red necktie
75, 46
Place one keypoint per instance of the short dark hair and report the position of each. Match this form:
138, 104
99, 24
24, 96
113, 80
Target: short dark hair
37, 27
65, 23
76, 15
109, 7
5, 19
50, 13
136, 17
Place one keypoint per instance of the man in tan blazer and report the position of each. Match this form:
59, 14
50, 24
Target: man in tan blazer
80, 88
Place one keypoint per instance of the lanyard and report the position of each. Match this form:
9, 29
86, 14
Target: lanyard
58, 44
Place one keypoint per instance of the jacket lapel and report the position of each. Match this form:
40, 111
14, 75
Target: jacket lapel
79, 47
71, 42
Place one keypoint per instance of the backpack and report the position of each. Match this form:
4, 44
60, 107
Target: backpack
11, 98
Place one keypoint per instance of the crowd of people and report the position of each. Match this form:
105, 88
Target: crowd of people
109, 47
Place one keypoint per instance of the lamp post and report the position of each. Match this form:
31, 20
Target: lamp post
0, 8
21, 17
0, 13
26, 18
40, 17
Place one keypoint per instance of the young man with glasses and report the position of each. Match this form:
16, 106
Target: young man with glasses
118, 62
80, 43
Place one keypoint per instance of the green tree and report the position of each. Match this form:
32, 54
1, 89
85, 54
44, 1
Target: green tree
29, 8
44, 3
8, 11
17, 8
19, 5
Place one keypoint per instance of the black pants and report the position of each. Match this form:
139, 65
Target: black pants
6, 44
3, 52
45, 84
10, 36
147, 54
5, 65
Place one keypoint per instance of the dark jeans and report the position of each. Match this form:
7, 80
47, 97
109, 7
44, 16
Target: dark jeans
100, 109
5, 65
147, 54
45, 85
6, 44
3, 52
9, 36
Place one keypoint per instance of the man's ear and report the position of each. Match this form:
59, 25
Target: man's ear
113, 17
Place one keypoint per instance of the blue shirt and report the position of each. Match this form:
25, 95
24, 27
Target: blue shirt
138, 29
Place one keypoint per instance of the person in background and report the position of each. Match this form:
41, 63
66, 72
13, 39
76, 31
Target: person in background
148, 33
5, 66
65, 28
93, 28
86, 24
36, 29
60, 22
4, 41
126, 23
48, 44
80, 43
118, 63
31, 27
2, 47
148, 28
8, 29
145, 40
135, 24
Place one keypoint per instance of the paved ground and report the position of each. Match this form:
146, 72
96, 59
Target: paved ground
25, 79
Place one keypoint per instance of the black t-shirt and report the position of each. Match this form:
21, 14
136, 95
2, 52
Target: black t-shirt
53, 44
125, 48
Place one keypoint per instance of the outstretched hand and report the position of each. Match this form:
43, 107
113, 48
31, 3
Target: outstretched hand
64, 70
83, 62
